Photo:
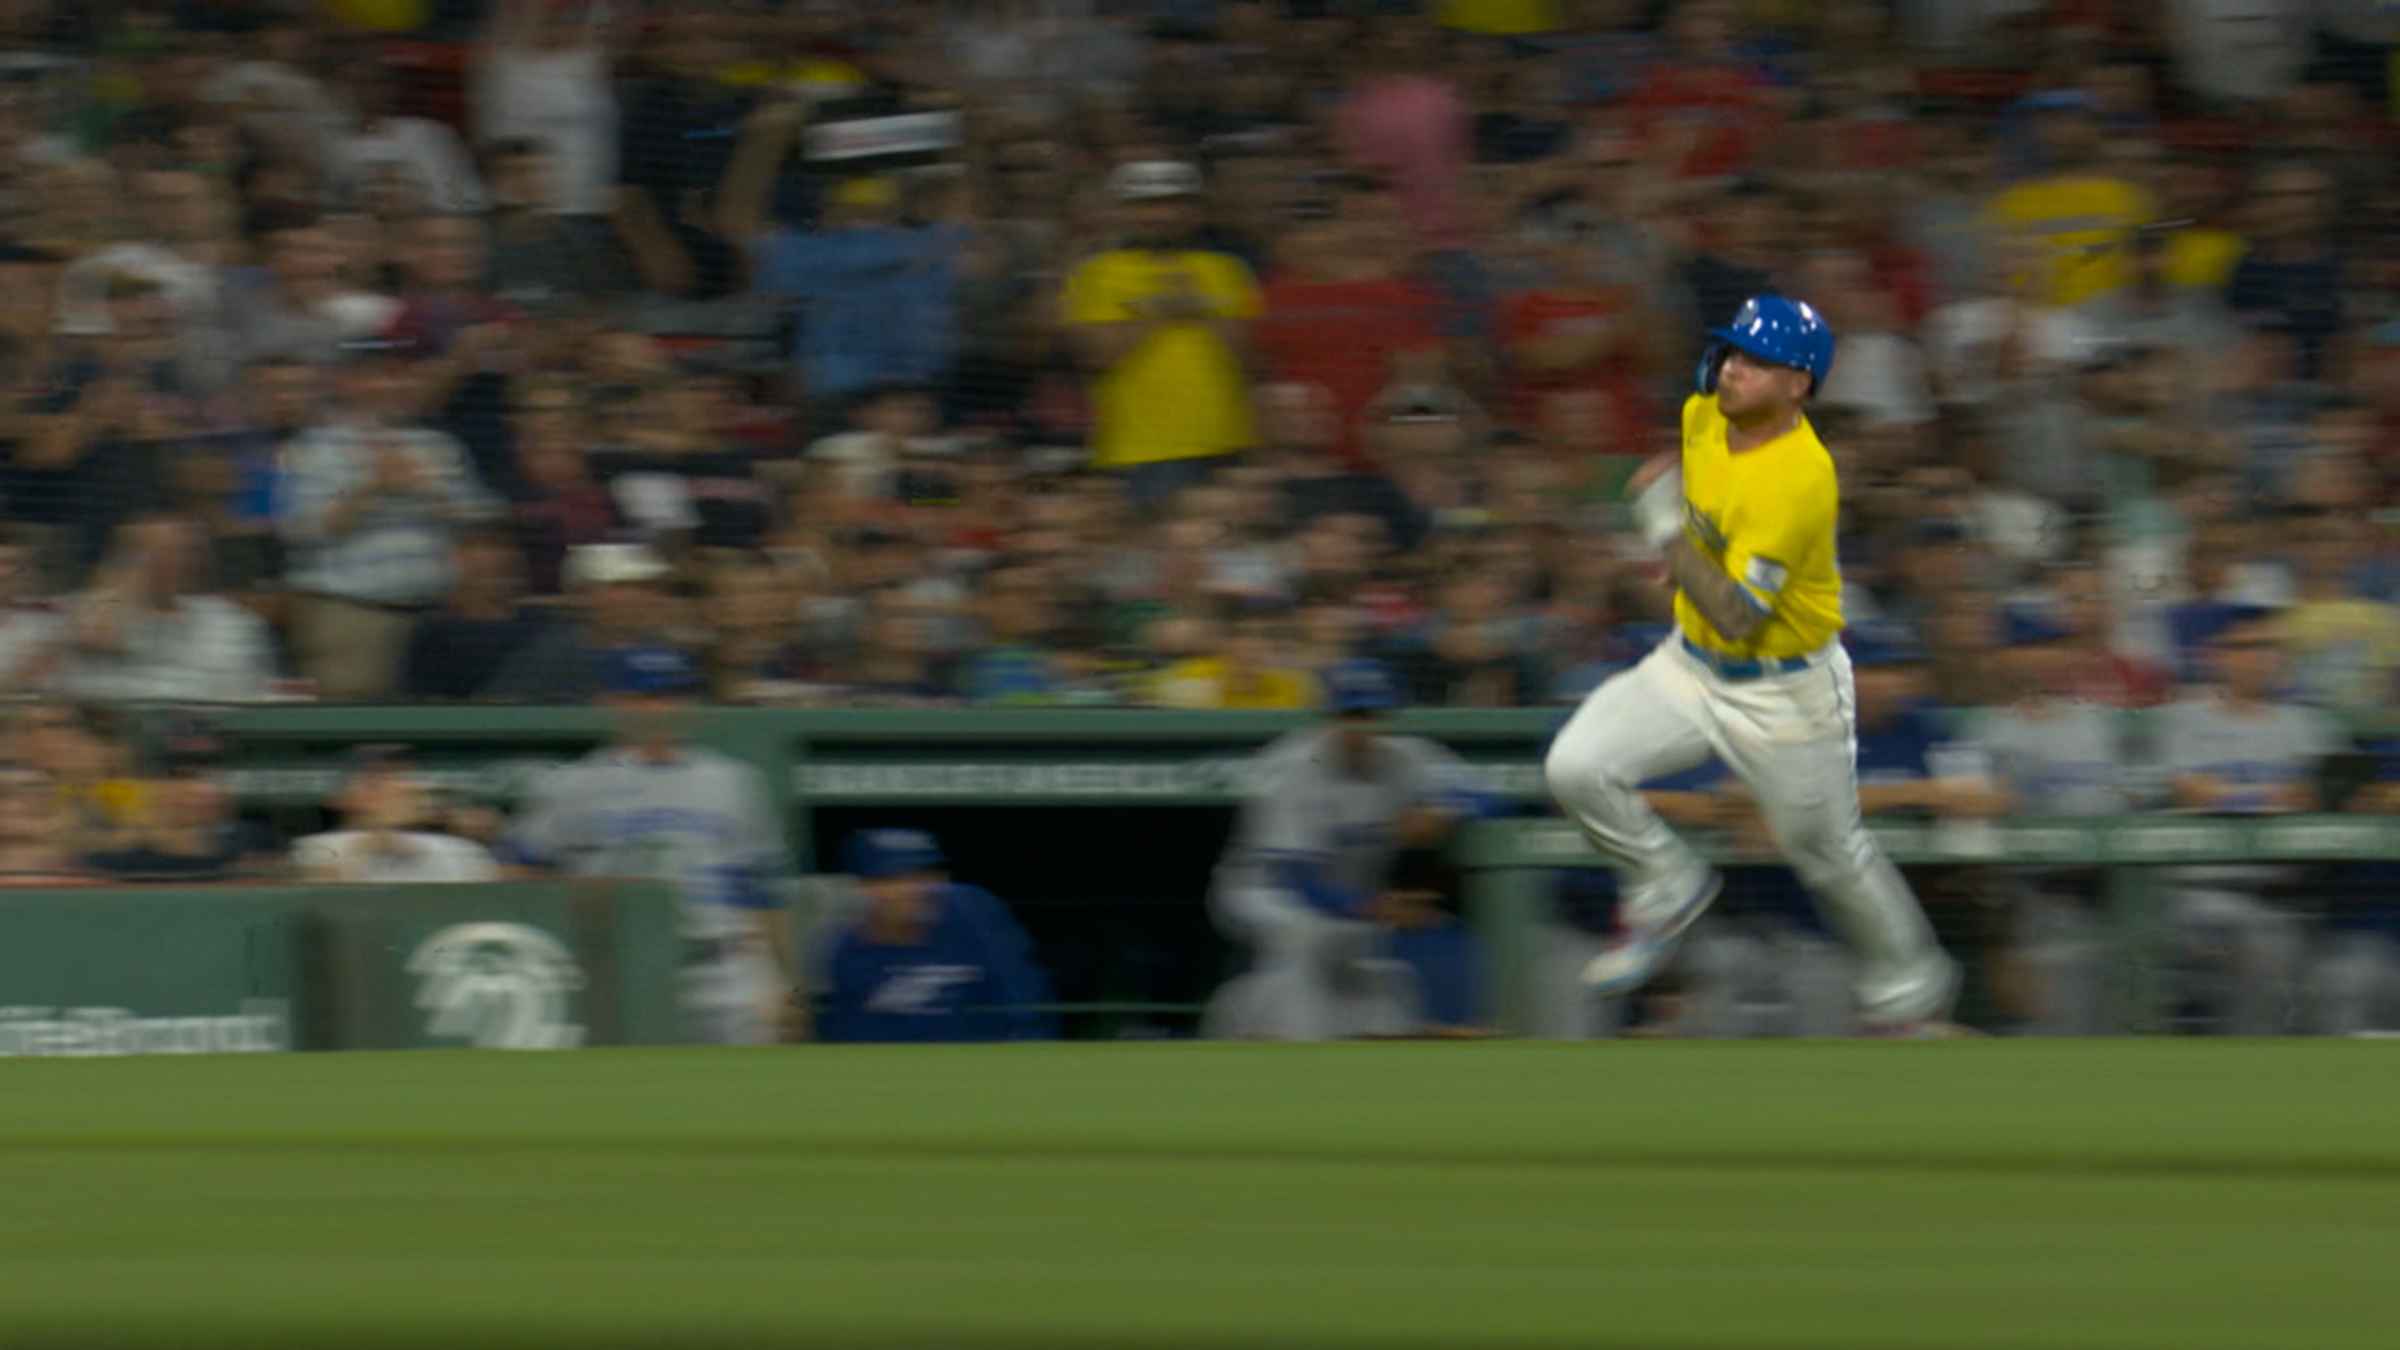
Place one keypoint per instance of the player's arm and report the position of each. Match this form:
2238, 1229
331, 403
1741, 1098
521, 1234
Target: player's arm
1725, 603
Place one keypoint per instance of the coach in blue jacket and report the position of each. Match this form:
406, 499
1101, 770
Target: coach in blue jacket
926, 958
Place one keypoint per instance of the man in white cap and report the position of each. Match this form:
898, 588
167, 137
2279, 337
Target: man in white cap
1163, 325
621, 601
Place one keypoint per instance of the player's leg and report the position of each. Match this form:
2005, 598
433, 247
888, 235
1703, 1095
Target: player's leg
2064, 955
1640, 724
1315, 977
725, 998
2353, 981
1792, 740
1816, 976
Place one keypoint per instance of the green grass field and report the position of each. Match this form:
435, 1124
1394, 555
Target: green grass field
1935, 1196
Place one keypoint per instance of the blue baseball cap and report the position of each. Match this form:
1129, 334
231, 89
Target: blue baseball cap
1360, 686
875, 854
648, 670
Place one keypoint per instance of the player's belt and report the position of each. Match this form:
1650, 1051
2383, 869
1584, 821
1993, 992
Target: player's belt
1753, 668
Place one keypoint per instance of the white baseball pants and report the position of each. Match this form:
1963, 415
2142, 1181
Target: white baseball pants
1792, 738
1315, 977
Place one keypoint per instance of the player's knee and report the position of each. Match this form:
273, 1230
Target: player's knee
1577, 773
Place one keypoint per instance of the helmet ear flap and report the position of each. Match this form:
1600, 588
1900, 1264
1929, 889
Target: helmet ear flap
1712, 360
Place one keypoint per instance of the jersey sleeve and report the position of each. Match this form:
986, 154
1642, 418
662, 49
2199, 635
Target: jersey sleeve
760, 864
1227, 281
1772, 546
539, 837
1015, 983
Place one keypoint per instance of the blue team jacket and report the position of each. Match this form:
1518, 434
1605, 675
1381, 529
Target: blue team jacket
968, 979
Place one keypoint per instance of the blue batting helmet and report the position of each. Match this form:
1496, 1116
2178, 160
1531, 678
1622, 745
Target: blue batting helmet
1360, 686
874, 854
1772, 328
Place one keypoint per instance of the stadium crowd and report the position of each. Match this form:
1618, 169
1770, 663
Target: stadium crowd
1171, 352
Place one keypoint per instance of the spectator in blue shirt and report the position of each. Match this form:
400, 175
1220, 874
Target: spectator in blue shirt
876, 294
927, 959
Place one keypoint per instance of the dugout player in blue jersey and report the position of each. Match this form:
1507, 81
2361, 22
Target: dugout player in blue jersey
926, 958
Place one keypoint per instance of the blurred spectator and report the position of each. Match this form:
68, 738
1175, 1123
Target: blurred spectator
2098, 667
37, 832
1582, 332
559, 505
1244, 670
298, 305
2238, 750
1406, 123
385, 839
2076, 207
1342, 317
753, 614
1014, 663
1700, 107
2344, 647
542, 70
188, 831
2054, 754
542, 259
893, 426
875, 295
677, 136
31, 627
372, 507
1164, 328
2290, 281
423, 153
151, 627
457, 652
677, 471
619, 601
894, 660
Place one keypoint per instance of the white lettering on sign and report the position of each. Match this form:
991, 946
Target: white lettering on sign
1213, 779
263, 1026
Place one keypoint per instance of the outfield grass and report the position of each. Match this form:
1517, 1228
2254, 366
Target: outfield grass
1933, 1196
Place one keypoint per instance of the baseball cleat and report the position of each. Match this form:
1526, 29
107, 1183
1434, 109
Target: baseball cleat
1636, 954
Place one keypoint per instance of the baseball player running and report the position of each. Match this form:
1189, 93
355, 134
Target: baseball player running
652, 805
1754, 674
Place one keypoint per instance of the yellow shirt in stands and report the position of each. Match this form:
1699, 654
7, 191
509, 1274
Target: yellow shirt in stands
1204, 682
382, 16
1767, 517
1500, 18
2203, 259
1181, 393
2084, 224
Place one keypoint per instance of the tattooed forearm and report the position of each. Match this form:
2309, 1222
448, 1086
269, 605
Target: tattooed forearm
1719, 598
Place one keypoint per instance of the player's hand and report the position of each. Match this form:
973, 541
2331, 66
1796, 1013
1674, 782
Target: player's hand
1425, 826
1650, 471
789, 1017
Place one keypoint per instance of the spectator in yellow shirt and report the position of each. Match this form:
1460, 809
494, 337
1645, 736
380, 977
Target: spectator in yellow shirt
1164, 327
1249, 676
2079, 210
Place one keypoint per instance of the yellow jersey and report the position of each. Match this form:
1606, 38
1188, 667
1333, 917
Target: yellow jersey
1181, 394
2084, 225
1767, 517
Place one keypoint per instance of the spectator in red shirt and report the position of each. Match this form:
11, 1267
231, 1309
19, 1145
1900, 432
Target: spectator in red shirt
1582, 333
1702, 100
1341, 316
2099, 670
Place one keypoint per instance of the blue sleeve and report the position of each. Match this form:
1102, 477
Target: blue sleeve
744, 885
1306, 877
841, 1001
788, 262
1014, 982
